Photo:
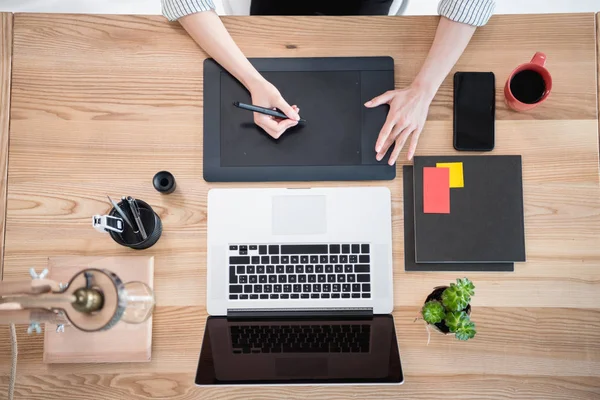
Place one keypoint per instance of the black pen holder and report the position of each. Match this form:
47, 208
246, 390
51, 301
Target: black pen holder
150, 220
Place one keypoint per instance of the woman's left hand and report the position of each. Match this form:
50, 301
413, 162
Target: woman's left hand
407, 116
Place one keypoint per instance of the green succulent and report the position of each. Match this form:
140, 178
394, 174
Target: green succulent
466, 332
458, 296
433, 312
451, 309
461, 325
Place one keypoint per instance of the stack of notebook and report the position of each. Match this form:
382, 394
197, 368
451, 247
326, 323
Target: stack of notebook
463, 213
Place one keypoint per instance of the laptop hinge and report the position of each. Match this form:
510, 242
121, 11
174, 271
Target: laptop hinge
292, 313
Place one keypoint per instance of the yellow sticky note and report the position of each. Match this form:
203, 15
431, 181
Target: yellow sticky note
456, 173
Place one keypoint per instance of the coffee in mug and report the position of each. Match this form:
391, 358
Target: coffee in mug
528, 85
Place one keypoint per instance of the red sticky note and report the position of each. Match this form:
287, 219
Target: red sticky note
436, 190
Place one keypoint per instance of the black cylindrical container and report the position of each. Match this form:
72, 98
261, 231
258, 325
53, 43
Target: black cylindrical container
150, 220
164, 182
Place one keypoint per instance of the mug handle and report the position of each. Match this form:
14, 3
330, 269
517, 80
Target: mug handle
539, 58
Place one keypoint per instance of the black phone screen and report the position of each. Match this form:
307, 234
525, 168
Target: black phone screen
474, 111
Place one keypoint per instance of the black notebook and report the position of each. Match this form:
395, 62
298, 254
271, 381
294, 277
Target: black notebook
410, 263
469, 209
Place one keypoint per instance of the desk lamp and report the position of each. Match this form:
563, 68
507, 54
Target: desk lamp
93, 300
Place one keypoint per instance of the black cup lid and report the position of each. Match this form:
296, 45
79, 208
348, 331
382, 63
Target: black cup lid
164, 182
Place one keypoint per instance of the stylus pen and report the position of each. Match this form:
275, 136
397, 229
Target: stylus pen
263, 110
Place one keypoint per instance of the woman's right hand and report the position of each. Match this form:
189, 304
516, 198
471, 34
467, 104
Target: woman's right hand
208, 31
264, 94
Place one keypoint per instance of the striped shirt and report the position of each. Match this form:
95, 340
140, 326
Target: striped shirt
472, 12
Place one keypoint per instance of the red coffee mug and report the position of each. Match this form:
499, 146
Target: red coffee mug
537, 65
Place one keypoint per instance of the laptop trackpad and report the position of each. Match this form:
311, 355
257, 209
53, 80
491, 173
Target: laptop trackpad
299, 215
301, 367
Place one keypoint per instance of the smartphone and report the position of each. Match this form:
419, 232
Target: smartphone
474, 111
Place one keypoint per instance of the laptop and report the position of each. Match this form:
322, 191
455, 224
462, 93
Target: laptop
299, 288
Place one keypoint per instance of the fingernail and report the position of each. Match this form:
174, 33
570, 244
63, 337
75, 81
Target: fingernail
378, 149
378, 157
368, 103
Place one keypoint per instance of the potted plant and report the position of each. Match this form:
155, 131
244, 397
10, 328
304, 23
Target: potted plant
448, 309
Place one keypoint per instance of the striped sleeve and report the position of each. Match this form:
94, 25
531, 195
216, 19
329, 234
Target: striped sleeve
471, 12
175, 9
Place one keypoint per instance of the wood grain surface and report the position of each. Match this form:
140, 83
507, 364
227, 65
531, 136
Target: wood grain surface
6, 39
102, 103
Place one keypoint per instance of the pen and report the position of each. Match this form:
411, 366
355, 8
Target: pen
120, 211
263, 110
135, 211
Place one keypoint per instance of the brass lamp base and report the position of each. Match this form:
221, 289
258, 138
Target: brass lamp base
122, 342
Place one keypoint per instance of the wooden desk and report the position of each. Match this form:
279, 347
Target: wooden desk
6, 37
102, 103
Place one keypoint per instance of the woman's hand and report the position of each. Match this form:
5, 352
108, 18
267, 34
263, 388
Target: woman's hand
407, 115
266, 95
208, 31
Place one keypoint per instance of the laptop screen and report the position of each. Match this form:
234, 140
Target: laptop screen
315, 351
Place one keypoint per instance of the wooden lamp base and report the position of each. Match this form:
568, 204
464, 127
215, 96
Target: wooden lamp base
122, 343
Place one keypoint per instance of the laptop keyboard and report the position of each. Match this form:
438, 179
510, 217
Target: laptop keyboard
252, 339
299, 271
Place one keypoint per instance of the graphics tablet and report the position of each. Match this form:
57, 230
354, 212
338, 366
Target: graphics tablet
337, 141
